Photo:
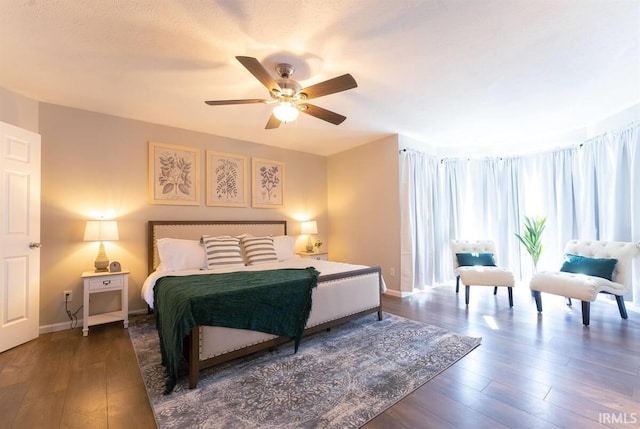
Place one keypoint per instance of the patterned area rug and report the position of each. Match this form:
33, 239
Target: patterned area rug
338, 379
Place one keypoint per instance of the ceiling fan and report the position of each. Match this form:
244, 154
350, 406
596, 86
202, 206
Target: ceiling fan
289, 95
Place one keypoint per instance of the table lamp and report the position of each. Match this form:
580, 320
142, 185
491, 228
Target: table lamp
101, 230
309, 227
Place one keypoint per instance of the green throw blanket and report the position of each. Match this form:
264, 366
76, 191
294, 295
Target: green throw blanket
277, 302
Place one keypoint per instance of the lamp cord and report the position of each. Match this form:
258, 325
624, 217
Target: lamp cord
72, 316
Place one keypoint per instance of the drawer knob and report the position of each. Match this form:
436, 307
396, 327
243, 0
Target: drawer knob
106, 282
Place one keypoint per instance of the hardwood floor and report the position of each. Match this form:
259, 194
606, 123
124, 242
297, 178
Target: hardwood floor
531, 371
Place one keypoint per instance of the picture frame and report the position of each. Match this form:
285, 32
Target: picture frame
174, 174
226, 179
267, 178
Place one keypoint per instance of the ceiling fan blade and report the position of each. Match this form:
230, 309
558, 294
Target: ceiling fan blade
225, 102
272, 123
331, 86
324, 114
260, 73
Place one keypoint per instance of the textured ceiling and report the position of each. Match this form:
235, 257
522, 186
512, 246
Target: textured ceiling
450, 73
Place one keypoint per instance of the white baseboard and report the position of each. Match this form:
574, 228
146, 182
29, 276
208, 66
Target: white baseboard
45, 329
399, 294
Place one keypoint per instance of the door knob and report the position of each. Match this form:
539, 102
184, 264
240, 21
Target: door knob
34, 245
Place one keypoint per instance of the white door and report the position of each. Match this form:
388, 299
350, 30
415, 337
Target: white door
19, 236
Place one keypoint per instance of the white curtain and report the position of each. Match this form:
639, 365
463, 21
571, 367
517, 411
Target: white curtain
457, 200
591, 191
418, 196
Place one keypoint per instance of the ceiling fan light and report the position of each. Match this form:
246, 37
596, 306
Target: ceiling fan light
286, 111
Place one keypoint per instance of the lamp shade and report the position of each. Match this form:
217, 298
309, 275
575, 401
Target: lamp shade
309, 227
101, 230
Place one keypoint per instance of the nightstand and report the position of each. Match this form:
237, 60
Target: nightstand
320, 256
105, 282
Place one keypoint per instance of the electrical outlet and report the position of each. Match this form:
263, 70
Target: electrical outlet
67, 296
392, 271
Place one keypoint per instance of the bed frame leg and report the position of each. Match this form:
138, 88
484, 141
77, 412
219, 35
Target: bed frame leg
194, 357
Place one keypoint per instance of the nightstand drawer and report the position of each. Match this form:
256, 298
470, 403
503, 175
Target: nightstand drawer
106, 282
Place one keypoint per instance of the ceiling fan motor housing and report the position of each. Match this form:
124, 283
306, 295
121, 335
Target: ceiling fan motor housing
288, 86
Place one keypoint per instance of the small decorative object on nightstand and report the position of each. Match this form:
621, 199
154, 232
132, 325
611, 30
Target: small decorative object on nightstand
320, 256
104, 282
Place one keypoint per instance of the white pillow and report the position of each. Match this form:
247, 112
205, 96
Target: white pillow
222, 251
176, 254
284, 245
259, 250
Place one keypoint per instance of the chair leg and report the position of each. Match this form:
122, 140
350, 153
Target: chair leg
495, 290
538, 298
457, 284
621, 307
466, 294
586, 306
510, 289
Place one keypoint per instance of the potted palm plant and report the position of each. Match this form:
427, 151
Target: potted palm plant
531, 237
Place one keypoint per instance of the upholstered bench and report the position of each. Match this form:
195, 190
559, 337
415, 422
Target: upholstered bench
590, 268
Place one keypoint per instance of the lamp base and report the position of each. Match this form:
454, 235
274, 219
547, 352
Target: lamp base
102, 262
309, 245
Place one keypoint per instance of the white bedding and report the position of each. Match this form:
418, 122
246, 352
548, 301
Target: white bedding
324, 267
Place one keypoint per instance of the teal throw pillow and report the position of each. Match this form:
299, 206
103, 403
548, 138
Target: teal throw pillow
473, 259
597, 267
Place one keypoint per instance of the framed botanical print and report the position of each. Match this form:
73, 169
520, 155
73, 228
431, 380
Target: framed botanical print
267, 190
174, 175
226, 179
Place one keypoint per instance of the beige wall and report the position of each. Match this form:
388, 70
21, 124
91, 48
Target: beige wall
364, 211
95, 164
18, 110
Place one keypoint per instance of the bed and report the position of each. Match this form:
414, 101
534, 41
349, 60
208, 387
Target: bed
343, 292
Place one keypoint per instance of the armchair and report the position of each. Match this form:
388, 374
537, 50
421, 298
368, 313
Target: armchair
474, 264
590, 268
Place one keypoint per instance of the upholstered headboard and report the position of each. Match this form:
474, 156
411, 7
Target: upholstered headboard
621, 250
193, 230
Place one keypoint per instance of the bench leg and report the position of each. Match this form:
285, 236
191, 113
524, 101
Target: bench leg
569, 303
495, 290
586, 306
466, 294
621, 307
510, 289
457, 284
538, 298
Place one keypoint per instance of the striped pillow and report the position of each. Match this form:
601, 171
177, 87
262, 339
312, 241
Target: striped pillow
222, 251
259, 250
